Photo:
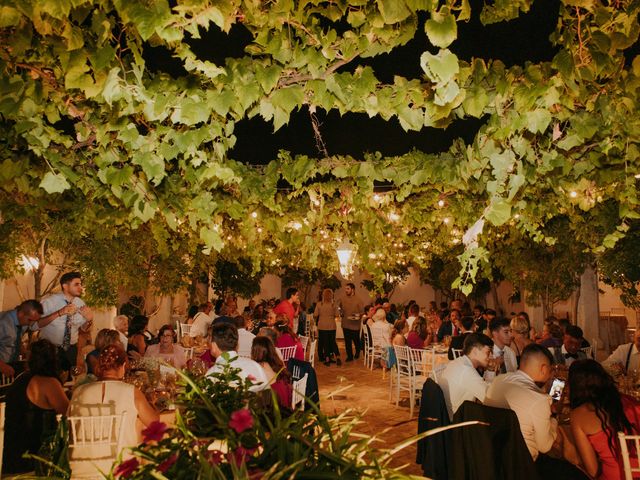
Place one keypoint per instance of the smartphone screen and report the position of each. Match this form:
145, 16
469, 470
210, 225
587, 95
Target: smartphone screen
556, 389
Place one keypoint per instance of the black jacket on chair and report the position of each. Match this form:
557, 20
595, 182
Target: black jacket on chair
312, 391
433, 452
493, 452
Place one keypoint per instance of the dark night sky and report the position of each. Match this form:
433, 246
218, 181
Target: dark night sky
523, 39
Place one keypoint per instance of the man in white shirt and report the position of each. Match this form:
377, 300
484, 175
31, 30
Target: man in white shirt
519, 391
245, 337
500, 329
224, 345
201, 321
64, 314
626, 356
460, 380
414, 312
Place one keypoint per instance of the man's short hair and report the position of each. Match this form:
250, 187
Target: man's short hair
490, 311
476, 340
534, 350
467, 322
455, 310
67, 277
31, 306
291, 291
498, 323
225, 336
414, 310
574, 331
353, 287
239, 322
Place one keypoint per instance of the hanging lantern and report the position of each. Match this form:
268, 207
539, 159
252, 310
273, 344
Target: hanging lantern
346, 254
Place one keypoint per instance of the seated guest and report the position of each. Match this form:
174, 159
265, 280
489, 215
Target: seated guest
167, 350
598, 412
110, 395
466, 327
105, 337
245, 337
137, 338
551, 336
33, 401
501, 335
520, 328
121, 325
286, 338
627, 356
264, 353
414, 312
460, 379
570, 350
448, 327
13, 324
202, 320
519, 392
398, 332
483, 322
419, 336
191, 313
224, 348
268, 321
380, 329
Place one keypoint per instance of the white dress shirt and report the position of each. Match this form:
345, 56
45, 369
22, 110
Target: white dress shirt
518, 392
54, 332
620, 355
410, 321
510, 360
247, 368
200, 325
245, 342
460, 381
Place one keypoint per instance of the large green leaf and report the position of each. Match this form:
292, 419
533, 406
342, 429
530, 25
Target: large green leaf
54, 183
441, 28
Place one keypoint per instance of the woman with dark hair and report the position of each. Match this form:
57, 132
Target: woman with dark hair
598, 411
286, 338
191, 313
137, 339
167, 350
264, 352
33, 400
110, 395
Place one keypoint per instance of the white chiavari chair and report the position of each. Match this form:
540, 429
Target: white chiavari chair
6, 380
312, 352
457, 352
405, 375
185, 329
305, 343
629, 470
287, 352
94, 444
299, 390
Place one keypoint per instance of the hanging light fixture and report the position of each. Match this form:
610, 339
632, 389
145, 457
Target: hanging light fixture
346, 254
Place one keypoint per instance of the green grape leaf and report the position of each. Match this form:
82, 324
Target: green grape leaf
54, 183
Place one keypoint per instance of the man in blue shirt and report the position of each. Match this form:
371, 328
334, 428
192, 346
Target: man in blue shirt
12, 323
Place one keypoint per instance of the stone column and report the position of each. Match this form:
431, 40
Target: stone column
589, 307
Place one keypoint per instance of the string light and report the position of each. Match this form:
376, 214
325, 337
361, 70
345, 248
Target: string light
445, 220
573, 194
254, 214
376, 197
441, 203
394, 217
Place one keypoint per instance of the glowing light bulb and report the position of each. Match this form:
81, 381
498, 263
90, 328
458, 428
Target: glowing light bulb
445, 220
573, 194
254, 214
441, 203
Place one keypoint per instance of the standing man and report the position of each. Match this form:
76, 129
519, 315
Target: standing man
352, 310
286, 306
65, 314
11, 330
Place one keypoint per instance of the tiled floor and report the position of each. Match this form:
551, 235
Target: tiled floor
369, 393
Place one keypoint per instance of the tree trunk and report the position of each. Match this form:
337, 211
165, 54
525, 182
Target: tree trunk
494, 296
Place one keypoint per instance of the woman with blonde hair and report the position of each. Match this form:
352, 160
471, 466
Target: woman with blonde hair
325, 316
520, 331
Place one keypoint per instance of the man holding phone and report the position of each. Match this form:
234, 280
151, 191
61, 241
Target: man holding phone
521, 392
